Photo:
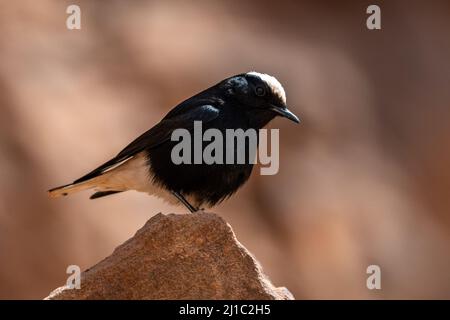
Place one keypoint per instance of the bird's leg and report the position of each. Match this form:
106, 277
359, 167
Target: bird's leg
191, 208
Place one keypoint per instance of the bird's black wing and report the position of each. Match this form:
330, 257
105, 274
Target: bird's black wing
160, 133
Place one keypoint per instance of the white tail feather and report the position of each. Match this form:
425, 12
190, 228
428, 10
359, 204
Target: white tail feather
131, 173
71, 188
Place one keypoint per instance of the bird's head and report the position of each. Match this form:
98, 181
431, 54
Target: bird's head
262, 95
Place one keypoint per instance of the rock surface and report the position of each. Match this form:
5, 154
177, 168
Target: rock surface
189, 256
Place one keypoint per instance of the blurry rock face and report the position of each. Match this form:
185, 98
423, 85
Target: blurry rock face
192, 256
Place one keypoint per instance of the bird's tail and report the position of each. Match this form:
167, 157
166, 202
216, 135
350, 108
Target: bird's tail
71, 188
131, 174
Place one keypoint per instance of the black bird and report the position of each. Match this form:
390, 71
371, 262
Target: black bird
244, 101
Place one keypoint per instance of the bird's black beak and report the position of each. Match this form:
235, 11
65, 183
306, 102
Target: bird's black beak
285, 112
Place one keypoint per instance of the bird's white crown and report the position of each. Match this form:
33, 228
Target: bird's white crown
272, 83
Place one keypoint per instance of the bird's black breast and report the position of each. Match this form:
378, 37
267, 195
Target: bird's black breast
208, 183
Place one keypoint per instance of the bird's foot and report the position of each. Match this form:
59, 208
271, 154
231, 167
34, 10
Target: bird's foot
191, 208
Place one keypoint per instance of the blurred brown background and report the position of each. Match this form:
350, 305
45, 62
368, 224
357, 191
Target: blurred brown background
363, 180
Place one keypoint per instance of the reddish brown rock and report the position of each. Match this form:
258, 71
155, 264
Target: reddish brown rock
190, 256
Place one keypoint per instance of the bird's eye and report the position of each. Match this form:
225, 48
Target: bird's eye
260, 91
